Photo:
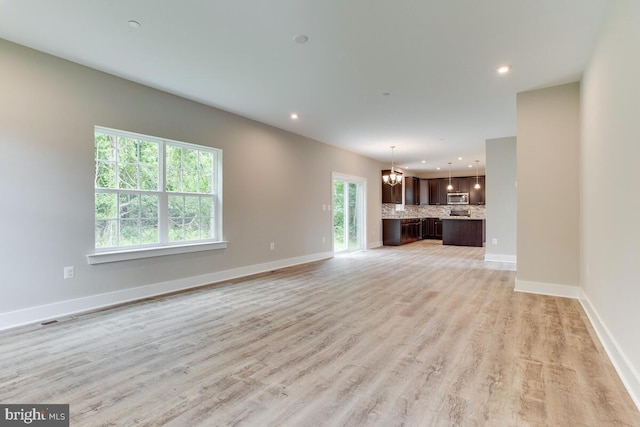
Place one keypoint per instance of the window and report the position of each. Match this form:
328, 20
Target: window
151, 192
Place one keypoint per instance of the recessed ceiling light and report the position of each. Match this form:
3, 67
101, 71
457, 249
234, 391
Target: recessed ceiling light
301, 39
503, 69
459, 158
470, 166
424, 161
294, 116
438, 168
134, 24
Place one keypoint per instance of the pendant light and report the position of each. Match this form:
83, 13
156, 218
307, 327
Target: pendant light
477, 186
393, 177
449, 187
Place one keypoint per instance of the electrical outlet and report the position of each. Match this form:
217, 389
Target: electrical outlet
272, 246
494, 241
69, 272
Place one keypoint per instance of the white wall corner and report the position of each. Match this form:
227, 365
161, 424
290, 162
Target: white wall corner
550, 289
76, 306
625, 369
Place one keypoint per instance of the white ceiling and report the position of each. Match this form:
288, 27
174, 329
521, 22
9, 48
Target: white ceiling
437, 59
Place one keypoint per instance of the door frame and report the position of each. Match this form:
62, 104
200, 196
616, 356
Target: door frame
363, 201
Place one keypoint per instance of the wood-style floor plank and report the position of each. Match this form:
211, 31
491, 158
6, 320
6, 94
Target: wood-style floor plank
418, 335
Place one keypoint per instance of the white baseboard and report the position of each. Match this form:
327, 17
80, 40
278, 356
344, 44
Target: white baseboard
373, 245
628, 375
66, 308
500, 258
550, 289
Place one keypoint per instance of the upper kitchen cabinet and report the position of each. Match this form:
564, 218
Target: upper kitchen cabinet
424, 191
391, 194
459, 184
476, 197
438, 191
411, 190
464, 185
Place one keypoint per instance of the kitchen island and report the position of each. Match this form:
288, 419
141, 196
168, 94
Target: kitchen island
462, 231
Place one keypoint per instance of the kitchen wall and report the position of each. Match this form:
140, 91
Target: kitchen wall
275, 186
428, 211
610, 176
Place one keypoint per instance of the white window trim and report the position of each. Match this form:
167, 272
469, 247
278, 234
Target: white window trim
140, 253
102, 256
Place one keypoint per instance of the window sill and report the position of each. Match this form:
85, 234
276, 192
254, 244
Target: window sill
115, 256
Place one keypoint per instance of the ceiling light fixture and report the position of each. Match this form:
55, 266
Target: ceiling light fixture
294, 116
449, 187
424, 161
477, 186
393, 177
134, 24
504, 69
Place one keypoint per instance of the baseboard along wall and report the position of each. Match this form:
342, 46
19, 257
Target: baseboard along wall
625, 369
67, 308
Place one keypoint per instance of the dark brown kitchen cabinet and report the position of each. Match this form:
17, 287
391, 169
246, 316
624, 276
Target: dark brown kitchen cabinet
463, 185
437, 225
400, 231
454, 184
460, 184
411, 190
391, 194
424, 191
438, 191
432, 228
463, 232
477, 196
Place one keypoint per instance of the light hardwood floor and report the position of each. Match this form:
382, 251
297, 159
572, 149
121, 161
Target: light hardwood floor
419, 335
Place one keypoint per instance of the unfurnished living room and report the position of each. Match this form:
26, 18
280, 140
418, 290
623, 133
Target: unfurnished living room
320, 213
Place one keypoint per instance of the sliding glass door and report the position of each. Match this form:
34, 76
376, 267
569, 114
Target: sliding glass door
348, 213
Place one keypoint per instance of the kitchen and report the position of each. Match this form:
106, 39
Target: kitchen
448, 209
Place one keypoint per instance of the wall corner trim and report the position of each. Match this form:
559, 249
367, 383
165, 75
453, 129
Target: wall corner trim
626, 371
550, 289
67, 308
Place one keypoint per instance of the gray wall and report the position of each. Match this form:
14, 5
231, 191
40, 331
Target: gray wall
548, 132
275, 182
610, 184
501, 199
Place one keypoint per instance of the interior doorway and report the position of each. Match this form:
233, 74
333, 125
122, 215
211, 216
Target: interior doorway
349, 222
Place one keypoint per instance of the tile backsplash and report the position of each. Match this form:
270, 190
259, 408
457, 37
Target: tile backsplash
429, 211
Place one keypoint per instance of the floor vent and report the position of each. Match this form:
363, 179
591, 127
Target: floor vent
49, 322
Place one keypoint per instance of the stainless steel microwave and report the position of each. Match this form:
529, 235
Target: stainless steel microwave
457, 198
